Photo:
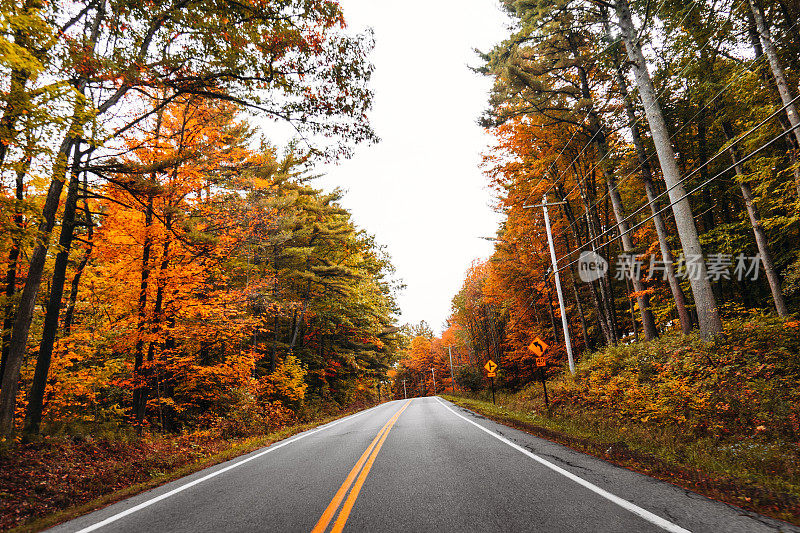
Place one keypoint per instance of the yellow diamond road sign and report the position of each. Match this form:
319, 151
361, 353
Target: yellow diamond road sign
538, 347
490, 366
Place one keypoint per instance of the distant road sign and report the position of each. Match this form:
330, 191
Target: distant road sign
491, 374
490, 366
541, 361
538, 347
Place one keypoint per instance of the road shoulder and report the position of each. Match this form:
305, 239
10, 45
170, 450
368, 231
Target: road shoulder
600, 464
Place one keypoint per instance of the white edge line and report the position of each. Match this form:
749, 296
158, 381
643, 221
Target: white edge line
166, 495
625, 504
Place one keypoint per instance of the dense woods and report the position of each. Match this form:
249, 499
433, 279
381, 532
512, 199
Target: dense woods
663, 135
165, 267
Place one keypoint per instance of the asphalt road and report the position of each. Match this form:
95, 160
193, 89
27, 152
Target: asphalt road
418, 465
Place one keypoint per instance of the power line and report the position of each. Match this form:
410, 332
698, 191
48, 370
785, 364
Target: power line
686, 195
695, 171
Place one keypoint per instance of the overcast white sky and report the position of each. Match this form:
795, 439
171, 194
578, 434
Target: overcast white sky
420, 190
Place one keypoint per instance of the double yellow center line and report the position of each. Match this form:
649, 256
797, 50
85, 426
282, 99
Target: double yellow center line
361, 470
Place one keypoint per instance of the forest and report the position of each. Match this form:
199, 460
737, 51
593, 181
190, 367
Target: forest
663, 137
166, 267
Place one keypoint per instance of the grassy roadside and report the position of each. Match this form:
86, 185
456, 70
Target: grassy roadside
700, 468
165, 461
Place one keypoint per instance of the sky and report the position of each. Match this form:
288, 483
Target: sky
421, 191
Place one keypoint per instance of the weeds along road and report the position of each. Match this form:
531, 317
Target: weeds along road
418, 465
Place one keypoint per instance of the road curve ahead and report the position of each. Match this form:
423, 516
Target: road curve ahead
418, 465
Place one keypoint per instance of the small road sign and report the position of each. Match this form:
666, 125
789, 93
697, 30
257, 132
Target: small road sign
490, 367
538, 347
541, 361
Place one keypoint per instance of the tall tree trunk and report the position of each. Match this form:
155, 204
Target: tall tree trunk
600, 308
139, 383
273, 361
791, 140
33, 413
775, 66
579, 306
13, 259
606, 297
605, 329
647, 178
758, 229
681, 306
708, 314
648, 321
601, 144
76, 279
27, 303
24, 315
161, 282
302, 316
550, 309
633, 313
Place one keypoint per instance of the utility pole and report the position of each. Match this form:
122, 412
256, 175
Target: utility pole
564, 322
405, 395
452, 377
434, 381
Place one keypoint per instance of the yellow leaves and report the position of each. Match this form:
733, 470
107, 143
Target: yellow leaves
287, 381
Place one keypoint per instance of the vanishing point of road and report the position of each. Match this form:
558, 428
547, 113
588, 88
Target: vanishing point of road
418, 465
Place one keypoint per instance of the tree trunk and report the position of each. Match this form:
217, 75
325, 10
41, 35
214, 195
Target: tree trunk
649, 186
606, 297
587, 342
601, 144
273, 362
708, 314
158, 306
633, 313
601, 318
302, 316
758, 229
24, 315
73, 294
550, 309
139, 384
13, 258
791, 140
599, 305
775, 66
33, 413
648, 321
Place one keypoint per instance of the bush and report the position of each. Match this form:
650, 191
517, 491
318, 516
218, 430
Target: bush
744, 383
469, 378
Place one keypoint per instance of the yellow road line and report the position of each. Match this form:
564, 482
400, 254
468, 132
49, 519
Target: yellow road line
372, 449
